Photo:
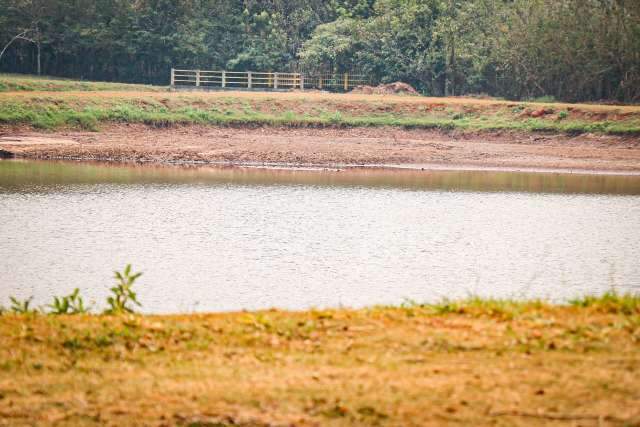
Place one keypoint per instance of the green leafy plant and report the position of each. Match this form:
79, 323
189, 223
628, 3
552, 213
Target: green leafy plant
70, 304
21, 307
123, 296
563, 115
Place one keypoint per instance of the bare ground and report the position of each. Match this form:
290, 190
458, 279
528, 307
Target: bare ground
330, 147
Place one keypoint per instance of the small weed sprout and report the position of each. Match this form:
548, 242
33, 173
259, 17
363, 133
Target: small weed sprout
563, 115
335, 118
123, 296
70, 304
21, 307
289, 117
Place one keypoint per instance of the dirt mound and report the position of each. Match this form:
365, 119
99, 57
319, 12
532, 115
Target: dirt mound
396, 88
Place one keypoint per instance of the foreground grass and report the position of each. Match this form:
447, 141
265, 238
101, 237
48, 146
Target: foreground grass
467, 363
164, 109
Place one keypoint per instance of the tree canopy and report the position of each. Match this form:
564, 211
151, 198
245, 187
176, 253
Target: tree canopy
573, 50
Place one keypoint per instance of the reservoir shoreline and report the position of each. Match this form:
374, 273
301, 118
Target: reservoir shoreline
336, 148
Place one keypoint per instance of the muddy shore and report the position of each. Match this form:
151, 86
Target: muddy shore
329, 147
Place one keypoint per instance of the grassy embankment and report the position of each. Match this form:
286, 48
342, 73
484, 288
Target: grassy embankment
89, 105
27, 83
472, 363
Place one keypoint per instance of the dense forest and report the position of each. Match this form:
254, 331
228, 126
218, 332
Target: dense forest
573, 50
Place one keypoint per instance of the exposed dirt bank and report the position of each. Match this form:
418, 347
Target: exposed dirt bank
329, 147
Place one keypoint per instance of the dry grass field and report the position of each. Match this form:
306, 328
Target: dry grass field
475, 363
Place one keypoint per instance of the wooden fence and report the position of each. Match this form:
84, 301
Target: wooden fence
252, 80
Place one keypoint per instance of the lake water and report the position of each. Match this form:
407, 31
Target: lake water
211, 239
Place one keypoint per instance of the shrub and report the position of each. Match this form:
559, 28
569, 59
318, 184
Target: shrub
123, 296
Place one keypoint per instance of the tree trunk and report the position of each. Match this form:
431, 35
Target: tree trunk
453, 68
39, 66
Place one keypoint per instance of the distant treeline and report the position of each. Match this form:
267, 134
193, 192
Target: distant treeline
573, 50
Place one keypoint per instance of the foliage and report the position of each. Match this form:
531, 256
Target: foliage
121, 301
123, 295
21, 306
333, 47
572, 50
70, 304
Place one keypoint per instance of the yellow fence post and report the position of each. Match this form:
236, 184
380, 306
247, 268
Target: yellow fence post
346, 82
197, 77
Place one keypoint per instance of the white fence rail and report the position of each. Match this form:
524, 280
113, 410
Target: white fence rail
253, 80
236, 79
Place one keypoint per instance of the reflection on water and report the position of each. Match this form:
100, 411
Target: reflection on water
41, 175
231, 238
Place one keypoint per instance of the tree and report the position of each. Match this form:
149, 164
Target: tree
573, 50
333, 46
22, 36
25, 17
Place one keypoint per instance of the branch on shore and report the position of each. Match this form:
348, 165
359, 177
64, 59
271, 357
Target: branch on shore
558, 417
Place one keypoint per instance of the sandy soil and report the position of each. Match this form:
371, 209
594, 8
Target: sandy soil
330, 147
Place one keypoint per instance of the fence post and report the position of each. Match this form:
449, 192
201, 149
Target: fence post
249, 79
320, 81
173, 77
197, 77
301, 82
224, 79
346, 82
275, 80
